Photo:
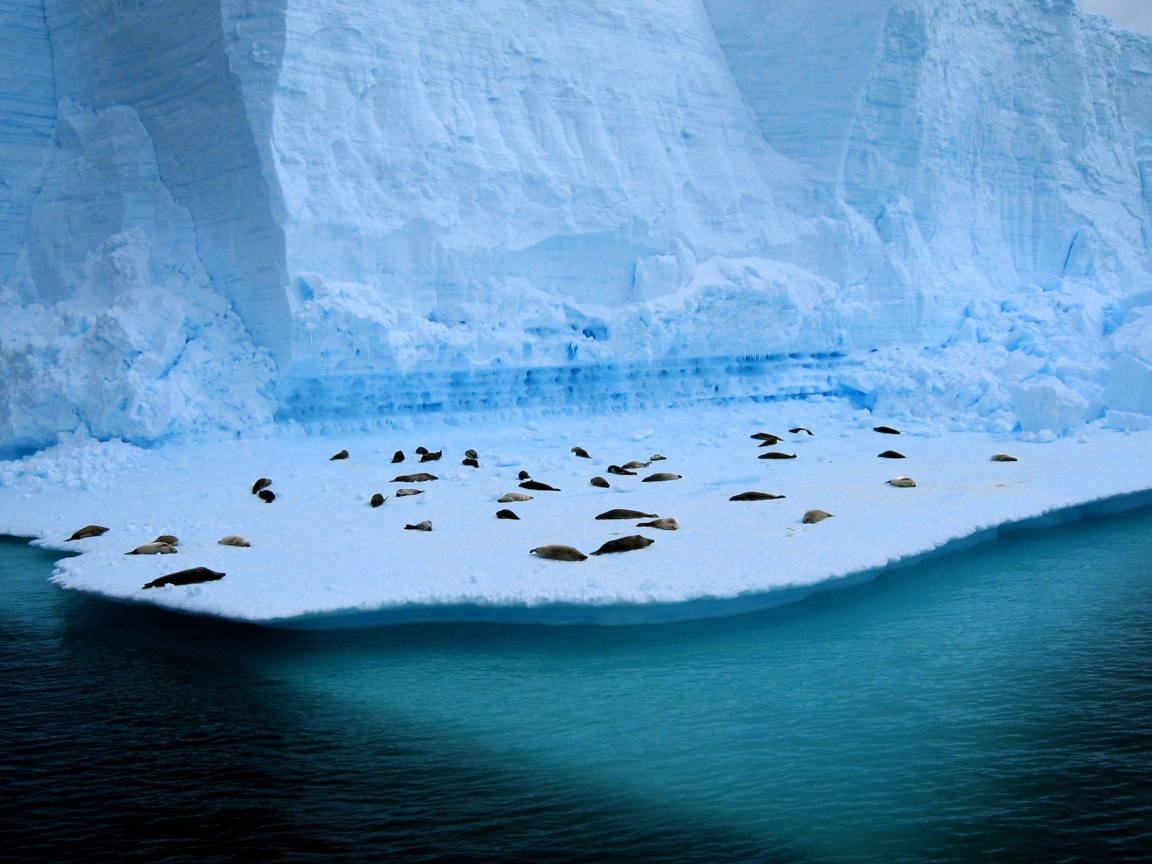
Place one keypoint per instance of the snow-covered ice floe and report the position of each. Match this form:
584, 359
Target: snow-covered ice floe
321, 556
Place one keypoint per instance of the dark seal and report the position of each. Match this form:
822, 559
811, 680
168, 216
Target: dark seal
185, 577
891, 454
88, 531
755, 496
625, 544
626, 514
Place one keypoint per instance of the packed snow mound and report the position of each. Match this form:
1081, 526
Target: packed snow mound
921, 205
326, 552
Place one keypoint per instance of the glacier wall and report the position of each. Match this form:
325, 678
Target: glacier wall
352, 208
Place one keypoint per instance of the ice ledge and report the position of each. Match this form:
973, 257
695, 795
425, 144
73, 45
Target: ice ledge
321, 557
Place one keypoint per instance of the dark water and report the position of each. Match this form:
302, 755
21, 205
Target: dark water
991, 706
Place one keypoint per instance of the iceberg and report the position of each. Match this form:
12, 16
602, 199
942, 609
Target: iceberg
248, 222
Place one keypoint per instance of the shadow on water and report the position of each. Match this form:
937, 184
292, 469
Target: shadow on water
995, 705
144, 735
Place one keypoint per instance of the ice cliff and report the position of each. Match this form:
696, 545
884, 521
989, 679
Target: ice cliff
216, 213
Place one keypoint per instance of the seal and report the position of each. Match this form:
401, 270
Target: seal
153, 549
377, 500
506, 514
88, 531
891, 454
661, 477
635, 464
267, 496
431, 457
903, 482
398, 456
600, 482
771, 443
537, 486
773, 454
471, 463
513, 496
185, 577
665, 524
887, 430
626, 514
262, 483
420, 451
422, 477
616, 469
767, 437
233, 540
170, 539
656, 457
343, 454
1004, 457
813, 516
625, 544
755, 496
404, 493
419, 526
800, 429
581, 452
558, 552
471, 454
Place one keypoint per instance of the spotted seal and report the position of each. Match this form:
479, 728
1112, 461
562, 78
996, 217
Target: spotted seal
558, 552
153, 549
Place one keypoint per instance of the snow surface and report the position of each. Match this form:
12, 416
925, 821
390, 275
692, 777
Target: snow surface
322, 557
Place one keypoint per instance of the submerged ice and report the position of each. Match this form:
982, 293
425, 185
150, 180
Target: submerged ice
215, 215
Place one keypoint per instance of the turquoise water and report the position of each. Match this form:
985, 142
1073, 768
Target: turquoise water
995, 705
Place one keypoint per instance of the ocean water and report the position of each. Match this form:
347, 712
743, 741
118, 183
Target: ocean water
994, 705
